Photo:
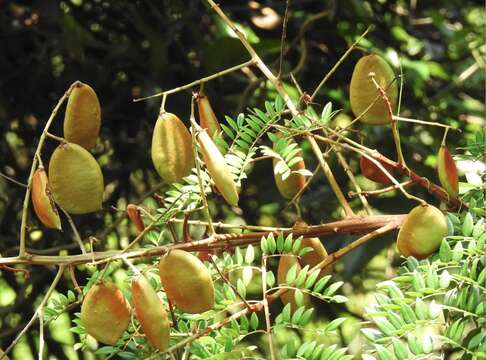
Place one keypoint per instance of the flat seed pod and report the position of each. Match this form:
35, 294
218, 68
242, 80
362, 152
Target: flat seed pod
105, 313
289, 187
172, 153
151, 313
362, 90
76, 179
422, 232
285, 263
447, 170
44, 205
82, 121
187, 281
207, 118
134, 215
319, 252
218, 169
373, 172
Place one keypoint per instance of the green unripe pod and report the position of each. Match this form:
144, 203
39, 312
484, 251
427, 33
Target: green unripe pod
363, 92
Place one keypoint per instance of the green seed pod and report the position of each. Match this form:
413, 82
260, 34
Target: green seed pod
207, 118
76, 179
82, 121
447, 170
422, 232
172, 153
105, 313
217, 168
44, 205
285, 263
362, 90
289, 187
187, 281
151, 313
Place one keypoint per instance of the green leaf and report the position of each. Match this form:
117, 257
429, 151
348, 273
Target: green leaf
286, 313
270, 279
299, 297
306, 316
254, 321
272, 245
288, 244
250, 254
264, 245
383, 353
384, 325
333, 288
457, 252
414, 345
319, 286
297, 315
280, 243
420, 309
467, 225
297, 244
299, 281
335, 324
240, 286
238, 256
400, 350
311, 279
291, 274
445, 279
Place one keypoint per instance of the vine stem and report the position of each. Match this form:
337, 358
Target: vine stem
290, 104
199, 81
38, 311
231, 226
42, 138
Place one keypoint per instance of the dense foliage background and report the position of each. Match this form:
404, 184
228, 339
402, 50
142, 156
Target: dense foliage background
128, 49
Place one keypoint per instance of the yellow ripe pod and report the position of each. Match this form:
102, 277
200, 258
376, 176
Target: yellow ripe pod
285, 263
172, 153
105, 313
82, 121
318, 253
422, 232
362, 90
207, 118
76, 179
447, 170
44, 205
151, 313
217, 168
187, 282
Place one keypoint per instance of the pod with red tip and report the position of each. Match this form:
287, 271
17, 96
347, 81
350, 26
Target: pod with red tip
82, 120
186, 281
105, 313
171, 151
217, 168
363, 92
447, 170
151, 313
44, 205
207, 118
422, 232
134, 215
371, 171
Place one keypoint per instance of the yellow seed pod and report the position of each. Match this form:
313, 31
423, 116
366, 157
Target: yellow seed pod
422, 232
82, 121
187, 281
285, 263
362, 90
44, 205
207, 118
318, 253
76, 179
172, 153
151, 313
217, 168
447, 170
105, 313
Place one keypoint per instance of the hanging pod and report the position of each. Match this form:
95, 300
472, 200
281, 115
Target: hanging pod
44, 205
187, 281
372, 172
82, 120
151, 313
105, 313
422, 232
217, 168
207, 118
285, 263
363, 92
318, 253
172, 153
134, 215
76, 179
447, 170
295, 182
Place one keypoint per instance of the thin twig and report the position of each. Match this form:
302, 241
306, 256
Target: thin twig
41, 333
55, 137
266, 309
37, 312
197, 82
380, 191
429, 123
75, 230
6, 177
42, 138
284, 35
